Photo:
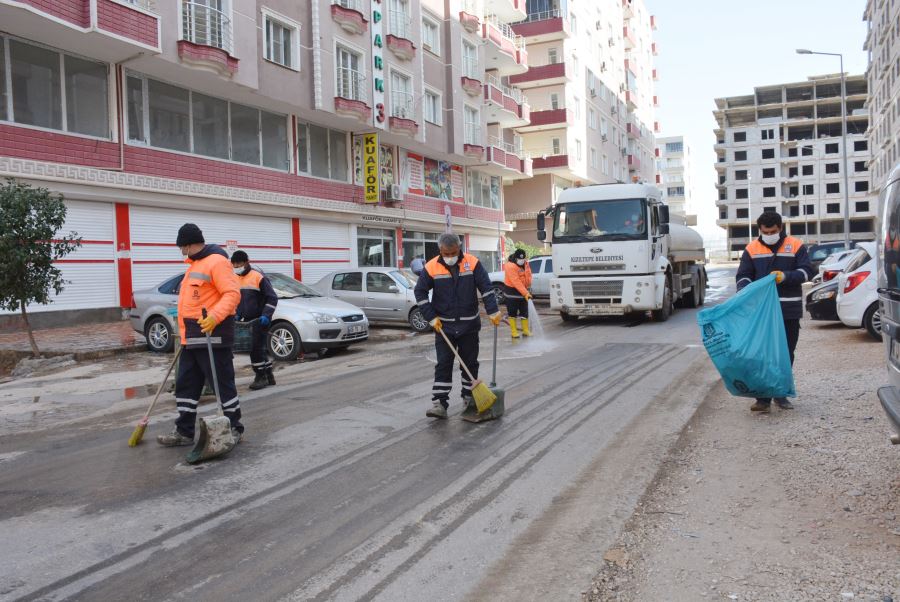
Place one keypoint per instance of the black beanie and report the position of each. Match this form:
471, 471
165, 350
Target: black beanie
520, 254
239, 257
189, 234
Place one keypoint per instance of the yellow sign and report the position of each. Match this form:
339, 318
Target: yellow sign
371, 172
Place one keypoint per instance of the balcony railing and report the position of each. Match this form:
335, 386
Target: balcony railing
506, 31
470, 68
399, 24
473, 134
148, 5
402, 105
351, 4
512, 148
349, 83
514, 93
206, 26
543, 15
473, 7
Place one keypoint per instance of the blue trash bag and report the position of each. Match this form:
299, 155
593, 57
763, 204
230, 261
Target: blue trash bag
746, 341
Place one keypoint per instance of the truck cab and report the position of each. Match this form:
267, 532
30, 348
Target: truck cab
888, 255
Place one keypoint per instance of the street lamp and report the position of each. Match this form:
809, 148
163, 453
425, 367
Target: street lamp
843, 142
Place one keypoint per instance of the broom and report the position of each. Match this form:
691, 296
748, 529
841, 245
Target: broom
484, 397
138, 432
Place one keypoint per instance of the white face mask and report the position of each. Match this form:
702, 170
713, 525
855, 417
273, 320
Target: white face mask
239, 271
451, 260
771, 239
520, 261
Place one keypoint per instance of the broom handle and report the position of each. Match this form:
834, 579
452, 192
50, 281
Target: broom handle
163, 383
456, 353
494, 370
212, 368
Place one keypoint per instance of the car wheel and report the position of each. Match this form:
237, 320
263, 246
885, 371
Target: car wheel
418, 321
498, 294
567, 317
662, 314
159, 335
872, 322
284, 341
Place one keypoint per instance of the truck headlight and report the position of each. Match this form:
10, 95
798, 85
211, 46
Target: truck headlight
324, 318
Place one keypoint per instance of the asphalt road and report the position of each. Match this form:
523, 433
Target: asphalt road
342, 489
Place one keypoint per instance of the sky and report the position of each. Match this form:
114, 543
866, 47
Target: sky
714, 48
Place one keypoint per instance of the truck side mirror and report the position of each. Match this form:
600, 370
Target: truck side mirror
541, 221
663, 229
664, 214
542, 235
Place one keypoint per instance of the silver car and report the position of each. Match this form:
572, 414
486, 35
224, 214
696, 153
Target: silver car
385, 294
304, 319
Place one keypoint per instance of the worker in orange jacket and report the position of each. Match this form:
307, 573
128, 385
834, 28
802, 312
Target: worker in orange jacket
516, 285
209, 284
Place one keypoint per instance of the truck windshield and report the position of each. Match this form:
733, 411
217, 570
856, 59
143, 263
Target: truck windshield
623, 219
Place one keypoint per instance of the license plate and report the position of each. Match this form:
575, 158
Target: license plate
601, 310
356, 329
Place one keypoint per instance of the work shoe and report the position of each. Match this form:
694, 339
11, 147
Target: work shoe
784, 404
174, 439
759, 406
525, 329
270, 377
238, 435
437, 411
512, 327
260, 382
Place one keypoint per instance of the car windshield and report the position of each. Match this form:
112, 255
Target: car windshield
821, 252
405, 277
288, 288
600, 220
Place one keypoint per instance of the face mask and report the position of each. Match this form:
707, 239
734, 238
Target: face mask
451, 260
771, 239
239, 271
520, 261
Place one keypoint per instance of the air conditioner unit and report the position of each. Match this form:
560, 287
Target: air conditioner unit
603, 66
598, 26
621, 87
612, 41
593, 92
604, 138
394, 193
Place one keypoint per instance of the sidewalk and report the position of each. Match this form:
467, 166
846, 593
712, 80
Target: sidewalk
85, 341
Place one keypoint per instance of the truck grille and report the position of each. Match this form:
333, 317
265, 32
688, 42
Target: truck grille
597, 288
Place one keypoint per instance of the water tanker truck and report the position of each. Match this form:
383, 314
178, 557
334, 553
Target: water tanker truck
615, 252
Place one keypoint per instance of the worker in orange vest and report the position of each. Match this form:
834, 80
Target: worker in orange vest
208, 284
516, 282
258, 302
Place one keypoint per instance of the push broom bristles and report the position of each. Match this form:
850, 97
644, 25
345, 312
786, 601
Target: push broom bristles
484, 397
138, 432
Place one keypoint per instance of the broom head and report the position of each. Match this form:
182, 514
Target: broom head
484, 397
138, 432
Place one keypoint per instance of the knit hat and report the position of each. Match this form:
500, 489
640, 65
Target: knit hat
189, 234
519, 254
239, 257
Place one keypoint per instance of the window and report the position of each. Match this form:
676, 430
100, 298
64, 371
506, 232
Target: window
675, 147
210, 125
793, 191
431, 36
573, 24
740, 136
322, 152
808, 170
169, 108
349, 281
205, 22
740, 155
473, 126
832, 168
861, 145
554, 142
375, 247
831, 148
741, 213
794, 211
862, 206
861, 186
483, 189
792, 152
832, 188
280, 40
675, 191
592, 119
604, 166
768, 172
431, 107
741, 193
578, 150
54, 90
723, 212
594, 162
552, 56
554, 101
376, 282
349, 76
577, 104
809, 209
768, 134
808, 189
768, 208
768, 153
833, 208
740, 174
859, 166
792, 172
769, 192
398, 18
470, 61
807, 151
401, 96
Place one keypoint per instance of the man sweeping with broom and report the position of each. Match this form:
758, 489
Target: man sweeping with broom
455, 278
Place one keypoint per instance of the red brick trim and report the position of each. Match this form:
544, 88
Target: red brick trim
207, 57
350, 20
123, 254
127, 22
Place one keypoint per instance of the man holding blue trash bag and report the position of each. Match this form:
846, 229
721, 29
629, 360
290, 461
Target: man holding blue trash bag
786, 257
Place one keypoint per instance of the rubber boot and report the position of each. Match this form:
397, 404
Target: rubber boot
260, 382
512, 327
525, 329
270, 377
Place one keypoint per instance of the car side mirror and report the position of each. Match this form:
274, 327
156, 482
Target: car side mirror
393, 289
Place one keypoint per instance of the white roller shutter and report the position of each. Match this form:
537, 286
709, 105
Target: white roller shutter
267, 240
479, 242
90, 270
325, 247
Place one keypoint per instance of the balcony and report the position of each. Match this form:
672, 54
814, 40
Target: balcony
634, 163
630, 100
629, 67
655, 75
349, 95
653, 49
547, 163
348, 14
633, 130
505, 50
207, 39
543, 75
656, 127
627, 9
504, 105
402, 119
551, 119
399, 38
507, 159
471, 77
545, 26
628, 37
473, 145
653, 22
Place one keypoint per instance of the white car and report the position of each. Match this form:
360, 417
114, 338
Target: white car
834, 264
857, 297
541, 273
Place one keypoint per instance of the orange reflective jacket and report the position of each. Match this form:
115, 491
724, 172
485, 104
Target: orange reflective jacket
210, 283
517, 279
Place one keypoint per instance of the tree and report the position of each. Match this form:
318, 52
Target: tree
530, 250
30, 242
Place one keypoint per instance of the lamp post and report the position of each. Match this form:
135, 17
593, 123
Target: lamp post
843, 141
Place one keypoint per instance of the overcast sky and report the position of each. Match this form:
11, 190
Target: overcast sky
714, 48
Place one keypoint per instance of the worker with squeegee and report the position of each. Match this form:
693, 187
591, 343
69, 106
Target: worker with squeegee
258, 301
455, 278
207, 300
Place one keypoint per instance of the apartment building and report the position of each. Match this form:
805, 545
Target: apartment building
883, 73
590, 86
316, 135
780, 149
673, 174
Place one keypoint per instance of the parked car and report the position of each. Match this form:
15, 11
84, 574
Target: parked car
821, 251
821, 302
304, 319
833, 265
384, 294
857, 298
541, 273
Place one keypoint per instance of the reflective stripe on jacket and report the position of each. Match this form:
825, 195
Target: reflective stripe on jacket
258, 298
789, 255
210, 283
455, 291
516, 279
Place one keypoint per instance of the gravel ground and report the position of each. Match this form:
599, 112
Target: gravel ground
795, 505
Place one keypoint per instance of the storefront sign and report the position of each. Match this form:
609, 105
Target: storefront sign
416, 184
381, 219
371, 172
231, 246
377, 26
457, 184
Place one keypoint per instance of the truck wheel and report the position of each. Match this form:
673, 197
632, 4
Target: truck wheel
872, 322
704, 282
662, 314
693, 298
567, 317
